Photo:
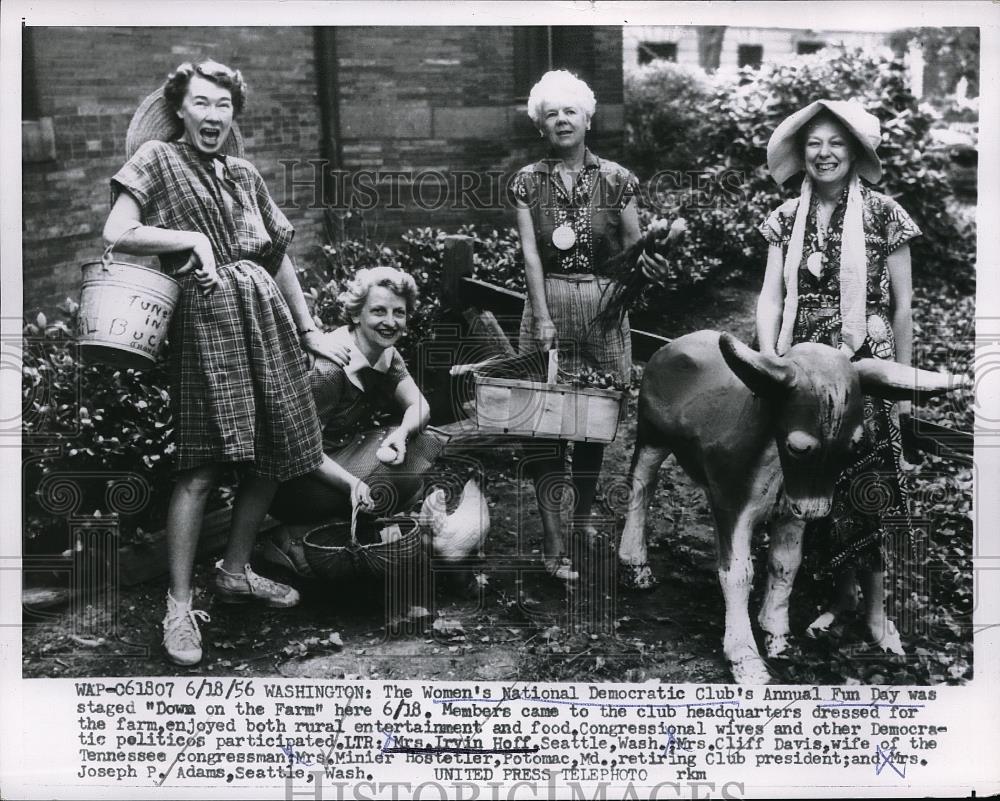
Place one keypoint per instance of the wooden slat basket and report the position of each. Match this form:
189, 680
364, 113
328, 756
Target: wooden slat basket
547, 409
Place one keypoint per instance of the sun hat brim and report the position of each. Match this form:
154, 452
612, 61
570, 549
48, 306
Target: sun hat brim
784, 156
154, 119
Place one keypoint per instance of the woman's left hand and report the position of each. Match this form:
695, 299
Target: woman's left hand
318, 345
393, 449
654, 266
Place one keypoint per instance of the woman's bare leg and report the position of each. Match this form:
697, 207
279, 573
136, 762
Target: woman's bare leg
253, 499
881, 628
185, 515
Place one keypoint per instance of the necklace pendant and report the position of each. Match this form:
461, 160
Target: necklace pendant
563, 237
815, 263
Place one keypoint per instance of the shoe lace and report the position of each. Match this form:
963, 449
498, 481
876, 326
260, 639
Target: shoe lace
261, 584
182, 625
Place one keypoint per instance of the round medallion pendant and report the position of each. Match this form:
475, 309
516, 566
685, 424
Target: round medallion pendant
877, 329
563, 237
815, 263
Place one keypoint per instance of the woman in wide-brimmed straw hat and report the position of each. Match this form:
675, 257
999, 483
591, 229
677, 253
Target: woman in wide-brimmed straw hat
239, 389
838, 273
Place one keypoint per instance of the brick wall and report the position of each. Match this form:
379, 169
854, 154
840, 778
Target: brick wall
445, 101
431, 98
89, 82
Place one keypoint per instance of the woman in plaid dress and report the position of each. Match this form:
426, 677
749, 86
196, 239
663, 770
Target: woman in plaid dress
239, 390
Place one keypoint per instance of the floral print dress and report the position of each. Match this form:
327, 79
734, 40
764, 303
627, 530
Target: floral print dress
869, 500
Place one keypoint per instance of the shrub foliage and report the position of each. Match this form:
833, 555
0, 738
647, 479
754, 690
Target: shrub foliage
724, 140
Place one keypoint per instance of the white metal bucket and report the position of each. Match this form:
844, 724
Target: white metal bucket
124, 313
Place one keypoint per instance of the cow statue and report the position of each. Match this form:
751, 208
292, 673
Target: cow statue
766, 437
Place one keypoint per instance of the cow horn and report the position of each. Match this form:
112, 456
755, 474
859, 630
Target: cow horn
889, 380
766, 376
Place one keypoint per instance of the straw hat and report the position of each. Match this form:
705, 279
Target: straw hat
784, 155
155, 119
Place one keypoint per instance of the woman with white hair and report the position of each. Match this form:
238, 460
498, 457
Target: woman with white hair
575, 213
376, 304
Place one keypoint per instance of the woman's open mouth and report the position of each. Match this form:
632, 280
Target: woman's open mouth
210, 136
827, 167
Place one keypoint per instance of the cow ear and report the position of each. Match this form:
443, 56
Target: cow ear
766, 376
889, 380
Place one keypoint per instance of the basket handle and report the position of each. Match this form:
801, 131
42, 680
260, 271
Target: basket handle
553, 366
106, 256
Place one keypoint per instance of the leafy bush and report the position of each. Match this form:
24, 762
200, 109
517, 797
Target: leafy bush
88, 420
496, 258
944, 327
420, 256
951, 54
730, 139
664, 123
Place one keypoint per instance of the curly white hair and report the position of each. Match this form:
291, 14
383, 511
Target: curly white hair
561, 86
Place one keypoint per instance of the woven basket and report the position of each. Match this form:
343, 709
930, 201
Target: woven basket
335, 551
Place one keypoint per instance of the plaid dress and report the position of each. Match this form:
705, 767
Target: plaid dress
239, 389
868, 495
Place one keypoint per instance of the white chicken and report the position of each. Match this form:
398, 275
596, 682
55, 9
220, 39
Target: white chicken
462, 533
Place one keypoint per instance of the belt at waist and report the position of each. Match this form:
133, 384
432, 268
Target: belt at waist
577, 278
822, 307
219, 266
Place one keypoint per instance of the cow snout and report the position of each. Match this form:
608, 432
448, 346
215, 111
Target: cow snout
801, 444
810, 508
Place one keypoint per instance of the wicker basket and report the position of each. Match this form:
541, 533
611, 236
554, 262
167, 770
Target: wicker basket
335, 552
547, 409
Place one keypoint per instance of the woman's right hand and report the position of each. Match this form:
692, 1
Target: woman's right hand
361, 496
544, 333
319, 345
202, 261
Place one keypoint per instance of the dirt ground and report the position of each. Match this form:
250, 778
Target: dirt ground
498, 618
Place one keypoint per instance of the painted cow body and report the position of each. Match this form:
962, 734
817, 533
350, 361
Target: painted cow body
766, 437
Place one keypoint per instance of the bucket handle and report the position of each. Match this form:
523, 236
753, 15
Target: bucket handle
355, 509
106, 256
